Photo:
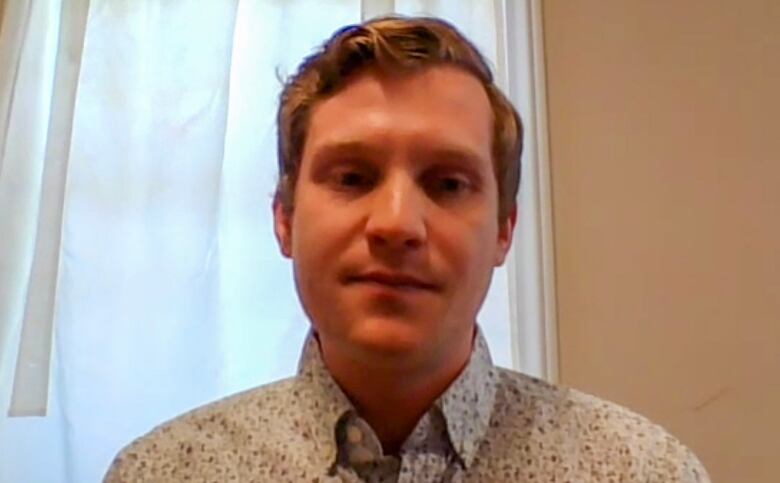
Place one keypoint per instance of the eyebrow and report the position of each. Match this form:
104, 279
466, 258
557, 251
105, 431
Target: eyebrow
439, 153
456, 153
346, 148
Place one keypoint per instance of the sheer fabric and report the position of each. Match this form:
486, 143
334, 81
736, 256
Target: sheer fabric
167, 290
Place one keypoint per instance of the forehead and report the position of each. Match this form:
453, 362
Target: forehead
441, 105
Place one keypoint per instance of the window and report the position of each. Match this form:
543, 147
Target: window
170, 291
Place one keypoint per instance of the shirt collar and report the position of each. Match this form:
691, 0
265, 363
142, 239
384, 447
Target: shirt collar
466, 405
322, 399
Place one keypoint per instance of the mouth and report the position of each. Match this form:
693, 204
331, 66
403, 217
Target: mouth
392, 280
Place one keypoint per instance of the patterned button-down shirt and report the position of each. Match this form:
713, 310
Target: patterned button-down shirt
490, 425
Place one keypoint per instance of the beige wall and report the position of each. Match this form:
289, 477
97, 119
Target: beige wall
665, 150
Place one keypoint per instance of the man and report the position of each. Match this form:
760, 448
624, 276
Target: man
399, 169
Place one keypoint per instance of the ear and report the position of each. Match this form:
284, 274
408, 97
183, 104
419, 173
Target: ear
506, 230
283, 228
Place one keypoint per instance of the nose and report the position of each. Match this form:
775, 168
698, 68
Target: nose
397, 217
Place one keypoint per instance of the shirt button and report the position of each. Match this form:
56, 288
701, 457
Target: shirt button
354, 434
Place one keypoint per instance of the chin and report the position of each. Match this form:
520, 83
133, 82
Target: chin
388, 337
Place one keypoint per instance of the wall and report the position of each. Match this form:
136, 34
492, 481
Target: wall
665, 164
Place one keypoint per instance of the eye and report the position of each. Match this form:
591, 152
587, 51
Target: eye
451, 184
352, 179
448, 185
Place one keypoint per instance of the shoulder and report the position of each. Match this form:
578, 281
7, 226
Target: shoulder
215, 438
580, 429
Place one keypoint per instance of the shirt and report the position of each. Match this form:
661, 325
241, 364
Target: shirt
491, 425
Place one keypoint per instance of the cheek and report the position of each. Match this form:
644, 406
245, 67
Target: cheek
472, 242
307, 229
475, 256
318, 240
310, 262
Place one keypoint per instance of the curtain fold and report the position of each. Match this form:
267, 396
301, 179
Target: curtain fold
31, 382
28, 47
28, 52
14, 21
13, 25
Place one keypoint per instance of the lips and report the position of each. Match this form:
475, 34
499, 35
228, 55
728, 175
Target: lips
393, 279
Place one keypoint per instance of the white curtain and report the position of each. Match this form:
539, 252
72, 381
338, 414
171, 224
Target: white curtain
137, 163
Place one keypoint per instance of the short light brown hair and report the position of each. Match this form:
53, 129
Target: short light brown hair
400, 44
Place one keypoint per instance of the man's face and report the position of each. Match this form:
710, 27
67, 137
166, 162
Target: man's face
394, 234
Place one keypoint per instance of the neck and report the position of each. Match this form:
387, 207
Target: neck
393, 399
